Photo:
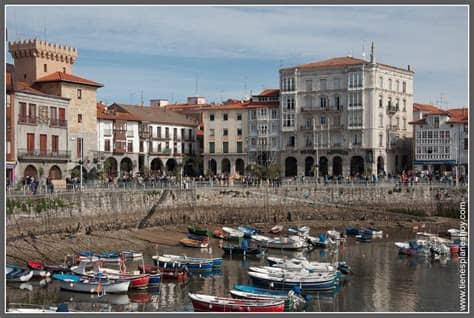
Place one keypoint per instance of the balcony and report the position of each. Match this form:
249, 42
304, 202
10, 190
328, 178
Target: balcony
331, 109
60, 123
392, 109
144, 134
189, 139
44, 155
120, 135
28, 120
395, 127
160, 152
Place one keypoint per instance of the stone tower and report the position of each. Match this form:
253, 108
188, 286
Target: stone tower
35, 58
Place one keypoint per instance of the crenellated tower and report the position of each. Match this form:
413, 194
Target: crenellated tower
35, 58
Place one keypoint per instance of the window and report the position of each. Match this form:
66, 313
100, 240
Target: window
211, 117
380, 82
79, 93
239, 116
466, 143
323, 101
322, 84
404, 105
291, 141
274, 114
175, 133
239, 131
22, 110
167, 132
239, 147
225, 116
436, 121
307, 124
380, 101
43, 143
30, 142
212, 132
107, 145
380, 120
390, 84
79, 147
212, 147
226, 132
337, 102
380, 140
53, 116
337, 83
397, 85
225, 147
79, 118
404, 87
309, 85
309, 141
323, 120
54, 143
32, 110
141, 146
130, 146
404, 123
45, 68
62, 114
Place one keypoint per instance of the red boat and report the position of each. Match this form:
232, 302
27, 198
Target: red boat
219, 233
225, 304
38, 265
136, 279
178, 275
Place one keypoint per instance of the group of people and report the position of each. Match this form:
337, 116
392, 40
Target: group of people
31, 185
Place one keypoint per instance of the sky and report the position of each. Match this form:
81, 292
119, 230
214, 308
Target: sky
221, 52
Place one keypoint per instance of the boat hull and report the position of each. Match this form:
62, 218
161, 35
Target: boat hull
237, 306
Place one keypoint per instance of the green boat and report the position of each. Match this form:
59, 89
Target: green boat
197, 231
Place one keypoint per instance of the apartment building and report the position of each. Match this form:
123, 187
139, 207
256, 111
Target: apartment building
441, 139
225, 138
345, 116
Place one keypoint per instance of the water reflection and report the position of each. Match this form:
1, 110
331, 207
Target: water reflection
382, 280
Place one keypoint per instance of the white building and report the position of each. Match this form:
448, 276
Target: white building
441, 139
348, 114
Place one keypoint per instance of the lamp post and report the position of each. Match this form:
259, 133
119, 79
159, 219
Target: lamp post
80, 161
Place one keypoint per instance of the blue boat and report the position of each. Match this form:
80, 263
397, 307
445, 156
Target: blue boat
352, 230
172, 263
237, 250
155, 279
67, 277
216, 262
260, 291
247, 230
87, 254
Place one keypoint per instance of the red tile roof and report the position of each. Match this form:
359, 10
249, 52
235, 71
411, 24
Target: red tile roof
332, 62
418, 122
458, 115
64, 77
104, 113
27, 88
425, 108
270, 92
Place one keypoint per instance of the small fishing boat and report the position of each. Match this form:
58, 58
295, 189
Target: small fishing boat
260, 291
197, 231
218, 233
88, 285
189, 261
322, 241
335, 235
35, 309
352, 230
285, 243
17, 274
306, 282
224, 304
38, 269
238, 250
130, 254
303, 230
166, 274
363, 238
189, 264
299, 263
137, 279
370, 231
197, 237
194, 243
292, 301
87, 256
109, 257
155, 279
276, 229
38, 265
247, 230
232, 232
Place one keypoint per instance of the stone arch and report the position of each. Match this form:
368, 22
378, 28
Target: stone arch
126, 166
110, 167
30, 171
240, 166
291, 167
225, 166
212, 164
76, 172
171, 165
323, 166
308, 166
55, 173
357, 165
156, 166
188, 168
337, 166
380, 165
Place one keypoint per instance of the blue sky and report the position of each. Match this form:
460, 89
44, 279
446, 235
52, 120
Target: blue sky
229, 50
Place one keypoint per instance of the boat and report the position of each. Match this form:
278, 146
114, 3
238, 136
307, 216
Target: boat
224, 304
130, 254
191, 265
321, 241
87, 256
288, 243
197, 237
294, 272
238, 250
17, 274
109, 257
218, 233
454, 233
370, 231
189, 261
247, 230
352, 230
197, 231
137, 279
363, 238
303, 230
276, 229
260, 291
302, 262
38, 265
232, 232
194, 243
88, 285
306, 282
165, 274
37, 269
292, 301
335, 235
35, 309
155, 279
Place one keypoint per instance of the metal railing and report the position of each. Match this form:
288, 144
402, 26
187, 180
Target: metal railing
43, 154
30, 120
61, 123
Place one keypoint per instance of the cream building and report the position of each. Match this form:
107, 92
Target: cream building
348, 114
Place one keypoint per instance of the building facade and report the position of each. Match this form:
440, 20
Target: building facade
225, 139
441, 140
345, 116
10, 149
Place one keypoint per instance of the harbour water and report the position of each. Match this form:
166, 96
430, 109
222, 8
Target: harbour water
382, 281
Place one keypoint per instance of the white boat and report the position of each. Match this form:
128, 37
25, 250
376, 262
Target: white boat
35, 309
233, 232
454, 233
335, 235
132, 254
261, 238
293, 272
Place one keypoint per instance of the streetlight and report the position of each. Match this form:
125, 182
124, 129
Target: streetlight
81, 161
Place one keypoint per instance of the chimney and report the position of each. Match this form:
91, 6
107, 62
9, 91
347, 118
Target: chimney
372, 53
158, 102
409, 68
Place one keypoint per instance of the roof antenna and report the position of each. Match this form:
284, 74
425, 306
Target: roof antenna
141, 92
372, 53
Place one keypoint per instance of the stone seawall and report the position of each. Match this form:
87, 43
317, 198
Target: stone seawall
112, 210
